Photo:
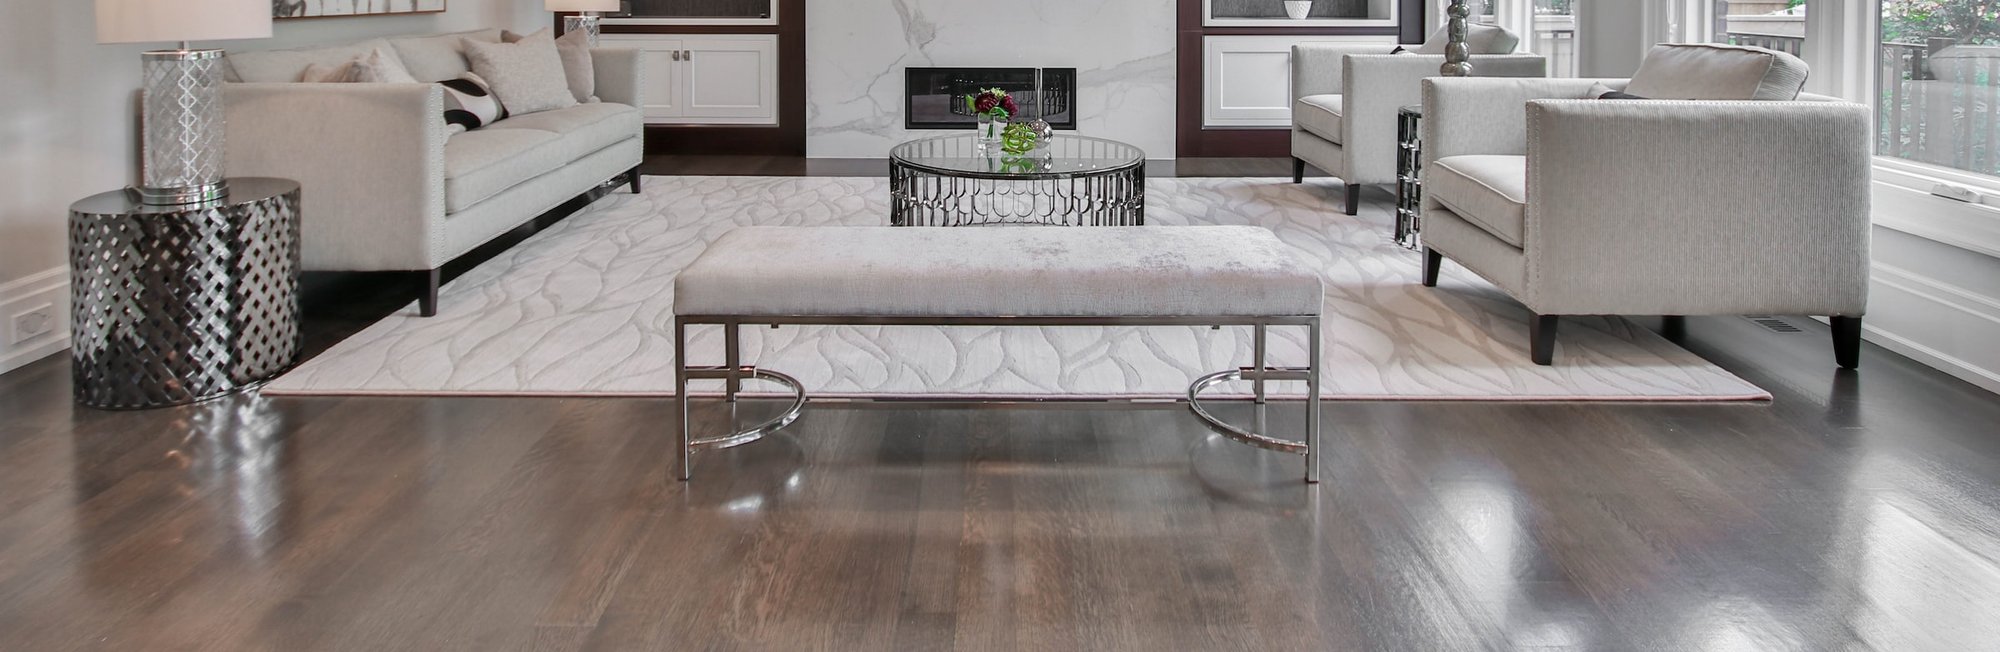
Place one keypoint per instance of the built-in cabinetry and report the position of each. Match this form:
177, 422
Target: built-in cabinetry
720, 79
1247, 80
1318, 13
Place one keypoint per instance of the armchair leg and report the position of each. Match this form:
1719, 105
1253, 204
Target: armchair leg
1433, 262
1298, 170
1353, 199
633, 175
1542, 333
1846, 341
427, 303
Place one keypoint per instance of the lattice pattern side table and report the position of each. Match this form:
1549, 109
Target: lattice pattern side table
172, 305
1409, 176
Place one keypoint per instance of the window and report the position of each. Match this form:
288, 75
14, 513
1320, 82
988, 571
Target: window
1939, 83
1771, 24
1550, 25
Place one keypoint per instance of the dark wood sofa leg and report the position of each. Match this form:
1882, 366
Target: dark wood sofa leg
1433, 263
1674, 327
1542, 332
427, 303
1298, 170
1353, 199
1846, 341
633, 175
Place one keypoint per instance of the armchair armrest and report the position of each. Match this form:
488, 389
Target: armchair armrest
1487, 115
1376, 86
1698, 207
369, 159
1316, 67
618, 73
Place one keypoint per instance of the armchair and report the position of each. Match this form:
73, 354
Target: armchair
1581, 206
1345, 99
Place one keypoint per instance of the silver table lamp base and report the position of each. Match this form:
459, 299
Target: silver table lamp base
184, 144
588, 22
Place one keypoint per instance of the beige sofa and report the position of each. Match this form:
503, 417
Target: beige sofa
387, 187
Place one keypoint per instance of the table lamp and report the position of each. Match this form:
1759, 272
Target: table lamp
586, 17
184, 144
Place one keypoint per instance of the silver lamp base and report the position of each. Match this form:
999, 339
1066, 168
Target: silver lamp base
184, 145
588, 22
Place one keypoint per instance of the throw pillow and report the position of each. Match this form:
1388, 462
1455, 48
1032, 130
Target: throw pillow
574, 47
1479, 39
526, 76
321, 73
469, 103
379, 66
1706, 71
1599, 91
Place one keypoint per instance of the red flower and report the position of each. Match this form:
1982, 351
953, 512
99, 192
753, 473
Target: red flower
985, 103
1007, 103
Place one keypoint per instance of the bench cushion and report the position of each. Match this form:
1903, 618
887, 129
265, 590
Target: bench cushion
1140, 271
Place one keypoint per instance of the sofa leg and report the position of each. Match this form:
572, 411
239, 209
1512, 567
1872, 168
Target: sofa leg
633, 175
1298, 170
1433, 263
1353, 199
427, 303
1847, 341
1542, 333
1674, 327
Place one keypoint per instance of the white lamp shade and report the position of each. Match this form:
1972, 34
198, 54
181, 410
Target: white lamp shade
156, 21
581, 5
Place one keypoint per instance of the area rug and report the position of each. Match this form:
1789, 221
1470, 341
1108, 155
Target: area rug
585, 309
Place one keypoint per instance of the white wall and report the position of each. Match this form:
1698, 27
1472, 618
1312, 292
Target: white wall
67, 128
857, 50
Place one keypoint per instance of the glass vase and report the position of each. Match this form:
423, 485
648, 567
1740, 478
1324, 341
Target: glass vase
990, 128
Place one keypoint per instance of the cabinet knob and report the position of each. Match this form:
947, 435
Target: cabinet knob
677, 55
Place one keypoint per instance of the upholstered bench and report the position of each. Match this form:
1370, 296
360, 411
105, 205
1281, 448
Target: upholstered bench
1030, 276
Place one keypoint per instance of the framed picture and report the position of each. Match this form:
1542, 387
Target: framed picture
323, 8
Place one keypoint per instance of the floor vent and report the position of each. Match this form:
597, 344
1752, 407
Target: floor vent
1774, 324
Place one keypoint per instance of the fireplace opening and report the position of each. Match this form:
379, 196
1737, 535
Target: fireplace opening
935, 98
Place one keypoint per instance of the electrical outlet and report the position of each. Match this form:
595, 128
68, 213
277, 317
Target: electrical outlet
34, 322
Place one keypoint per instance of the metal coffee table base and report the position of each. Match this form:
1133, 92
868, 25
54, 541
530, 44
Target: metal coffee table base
924, 198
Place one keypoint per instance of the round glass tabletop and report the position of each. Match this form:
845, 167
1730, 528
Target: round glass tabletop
1064, 156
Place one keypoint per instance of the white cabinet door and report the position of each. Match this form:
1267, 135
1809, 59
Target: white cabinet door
1247, 80
661, 85
730, 79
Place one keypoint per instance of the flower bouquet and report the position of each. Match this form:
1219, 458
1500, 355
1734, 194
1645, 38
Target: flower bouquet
994, 107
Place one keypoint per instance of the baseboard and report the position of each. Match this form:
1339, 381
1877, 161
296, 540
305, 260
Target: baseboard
1937, 323
46, 293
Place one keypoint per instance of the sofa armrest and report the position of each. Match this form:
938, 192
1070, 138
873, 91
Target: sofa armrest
618, 73
1486, 115
1698, 207
1316, 67
369, 159
1376, 86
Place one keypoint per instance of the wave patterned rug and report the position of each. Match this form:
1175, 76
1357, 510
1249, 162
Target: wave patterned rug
585, 308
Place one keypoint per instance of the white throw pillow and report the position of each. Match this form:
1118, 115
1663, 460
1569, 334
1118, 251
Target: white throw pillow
376, 67
574, 48
1479, 39
527, 76
1705, 71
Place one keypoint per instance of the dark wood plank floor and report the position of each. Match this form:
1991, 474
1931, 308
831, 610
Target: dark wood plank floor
1856, 511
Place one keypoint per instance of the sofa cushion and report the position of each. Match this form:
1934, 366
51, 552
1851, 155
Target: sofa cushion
1479, 39
1489, 191
585, 128
1706, 71
286, 66
1319, 114
442, 56
483, 163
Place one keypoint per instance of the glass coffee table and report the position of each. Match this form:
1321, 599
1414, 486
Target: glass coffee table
1068, 181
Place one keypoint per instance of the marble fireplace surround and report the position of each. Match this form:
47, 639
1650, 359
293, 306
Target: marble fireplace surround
857, 51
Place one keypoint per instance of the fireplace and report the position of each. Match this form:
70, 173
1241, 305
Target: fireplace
934, 98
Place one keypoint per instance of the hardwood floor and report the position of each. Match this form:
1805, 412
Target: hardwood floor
1858, 510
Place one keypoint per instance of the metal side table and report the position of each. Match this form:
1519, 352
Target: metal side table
1409, 176
171, 305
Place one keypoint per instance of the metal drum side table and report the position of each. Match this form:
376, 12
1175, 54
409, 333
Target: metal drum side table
1069, 181
171, 305
1409, 176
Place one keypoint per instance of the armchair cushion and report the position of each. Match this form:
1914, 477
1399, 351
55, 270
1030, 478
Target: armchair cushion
1319, 114
1479, 39
1489, 191
1706, 71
